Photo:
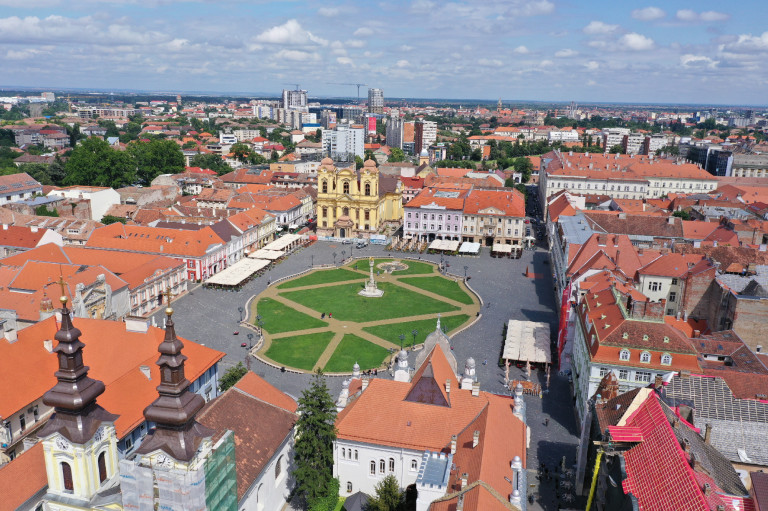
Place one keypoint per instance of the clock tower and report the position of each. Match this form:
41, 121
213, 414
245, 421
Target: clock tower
79, 440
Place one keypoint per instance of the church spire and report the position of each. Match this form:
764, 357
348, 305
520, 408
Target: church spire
74, 396
177, 433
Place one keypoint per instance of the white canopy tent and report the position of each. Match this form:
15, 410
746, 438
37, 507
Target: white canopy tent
448, 245
499, 247
283, 242
527, 341
238, 272
269, 255
469, 248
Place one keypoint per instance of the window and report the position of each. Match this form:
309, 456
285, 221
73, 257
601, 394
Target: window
355, 454
66, 475
373, 468
414, 464
672, 297
22, 421
367, 189
624, 355
645, 357
345, 187
623, 374
433, 216
674, 282
604, 371
367, 215
391, 464
642, 376
654, 286
102, 467
382, 466
666, 359
343, 452
409, 215
325, 186
325, 212
349, 483
278, 467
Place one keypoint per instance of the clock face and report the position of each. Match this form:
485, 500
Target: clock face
164, 461
62, 443
99, 434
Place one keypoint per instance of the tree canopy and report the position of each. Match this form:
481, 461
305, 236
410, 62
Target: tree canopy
388, 496
396, 154
231, 376
95, 163
210, 161
155, 157
315, 434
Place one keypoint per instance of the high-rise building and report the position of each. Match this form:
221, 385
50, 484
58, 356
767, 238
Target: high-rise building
425, 134
375, 101
295, 99
344, 143
395, 127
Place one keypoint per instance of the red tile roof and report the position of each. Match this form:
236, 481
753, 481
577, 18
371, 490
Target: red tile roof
21, 479
495, 202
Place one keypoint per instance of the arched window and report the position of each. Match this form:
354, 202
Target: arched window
349, 486
367, 189
278, 467
391, 464
66, 475
624, 355
367, 215
102, 467
645, 357
343, 452
345, 187
325, 212
345, 211
355, 454
414, 464
382, 466
666, 359
373, 467
325, 186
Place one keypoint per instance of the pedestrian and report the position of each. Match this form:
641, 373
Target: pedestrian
546, 422
485, 362
322, 316
330, 314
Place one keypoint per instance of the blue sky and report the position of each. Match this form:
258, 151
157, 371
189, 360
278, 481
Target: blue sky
703, 51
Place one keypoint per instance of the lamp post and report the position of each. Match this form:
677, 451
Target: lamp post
258, 320
240, 310
402, 338
261, 328
343, 255
334, 258
312, 260
465, 272
414, 332
250, 341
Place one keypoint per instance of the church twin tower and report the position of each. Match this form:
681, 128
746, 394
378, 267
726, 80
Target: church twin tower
80, 441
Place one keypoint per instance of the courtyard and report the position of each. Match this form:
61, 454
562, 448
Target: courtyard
318, 320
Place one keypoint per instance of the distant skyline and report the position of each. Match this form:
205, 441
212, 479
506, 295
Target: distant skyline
537, 50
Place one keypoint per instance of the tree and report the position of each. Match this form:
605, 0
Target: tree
95, 163
111, 127
370, 156
210, 161
682, 214
315, 434
56, 171
111, 219
616, 149
240, 151
42, 210
38, 171
156, 157
388, 496
359, 162
396, 154
231, 375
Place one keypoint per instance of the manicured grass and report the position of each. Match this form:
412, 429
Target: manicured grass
414, 267
353, 349
346, 305
299, 351
321, 277
444, 287
278, 318
392, 331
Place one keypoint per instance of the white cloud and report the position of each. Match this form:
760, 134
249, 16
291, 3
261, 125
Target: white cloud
354, 43
636, 42
490, 62
328, 12
566, 53
546, 63
346, 61
747, 43
691, 16
405, 47
690, 60
22, 54
297, 55
521, 50
289, 32
648, 14
592, 65
363, 32
402, 63
598, 27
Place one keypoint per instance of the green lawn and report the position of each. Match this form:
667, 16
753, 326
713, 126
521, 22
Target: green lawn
346, 305
444, 287
321, 277
299, 351
414, 267
392, 331
278, 318
353, 349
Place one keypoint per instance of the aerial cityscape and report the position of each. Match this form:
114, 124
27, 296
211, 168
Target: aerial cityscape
406, 256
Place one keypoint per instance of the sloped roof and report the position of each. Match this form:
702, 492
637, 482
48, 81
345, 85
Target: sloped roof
21, 479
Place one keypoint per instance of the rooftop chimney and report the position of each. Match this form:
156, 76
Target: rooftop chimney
145, 371
476, 388
48, 345
464, 478
453, 444
448, 386
707, 433
475, 438
686, 445
671, 220
365, 383
696, 334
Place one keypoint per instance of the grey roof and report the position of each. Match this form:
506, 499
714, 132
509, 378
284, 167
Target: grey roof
741, 283
575, 228
739, 426
356, 502
435, 469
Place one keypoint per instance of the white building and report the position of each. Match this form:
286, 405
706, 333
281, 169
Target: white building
101, 198
395, 127
344, 143
294, 99
375, 101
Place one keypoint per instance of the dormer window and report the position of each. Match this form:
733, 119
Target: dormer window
625, 335
645, 337
645, 357
624, 355
666, 339
666, 359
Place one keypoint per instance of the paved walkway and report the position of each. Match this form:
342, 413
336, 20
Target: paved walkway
341, 328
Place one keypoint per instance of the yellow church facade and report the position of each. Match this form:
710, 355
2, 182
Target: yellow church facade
357, 203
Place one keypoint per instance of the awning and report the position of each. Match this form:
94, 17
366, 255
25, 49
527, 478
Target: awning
283, 242
469, 248
499, 247
448, 245
238, 272
527, 341
269, 255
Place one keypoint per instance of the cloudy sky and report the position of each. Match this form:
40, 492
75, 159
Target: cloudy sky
599, 50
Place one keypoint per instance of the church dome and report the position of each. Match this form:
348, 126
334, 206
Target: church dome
424, 153
369, 163
326, 161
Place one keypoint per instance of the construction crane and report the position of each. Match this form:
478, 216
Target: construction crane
358, 85
294, 84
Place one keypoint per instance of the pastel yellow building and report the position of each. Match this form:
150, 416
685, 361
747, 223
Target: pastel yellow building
354, 203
